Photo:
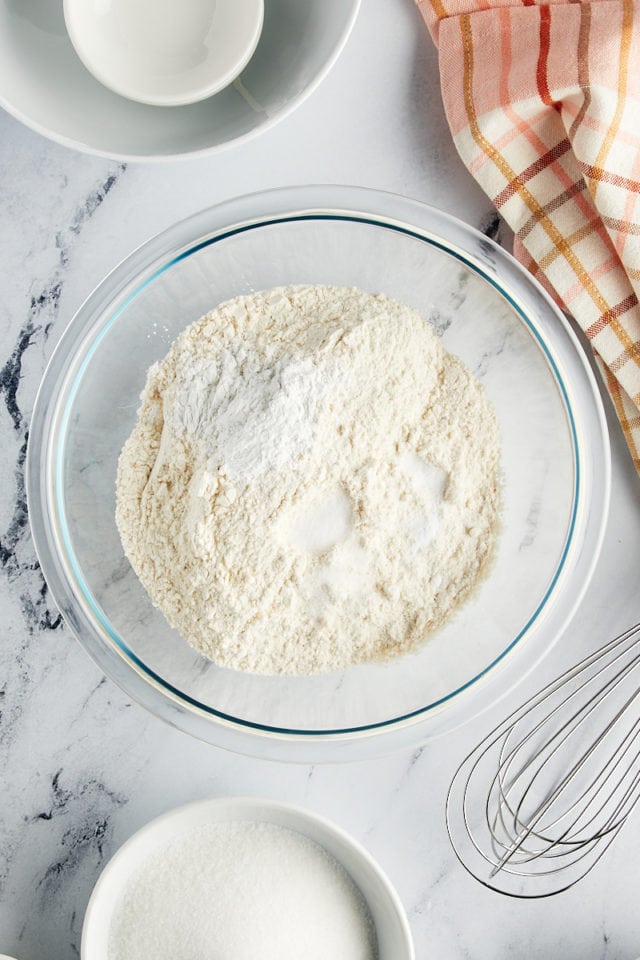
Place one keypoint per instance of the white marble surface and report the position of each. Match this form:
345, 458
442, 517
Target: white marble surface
82, 767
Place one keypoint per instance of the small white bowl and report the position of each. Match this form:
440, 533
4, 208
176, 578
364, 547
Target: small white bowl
392, 928
164, 52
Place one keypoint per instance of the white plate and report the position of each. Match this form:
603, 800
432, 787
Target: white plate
44, 84
392, 928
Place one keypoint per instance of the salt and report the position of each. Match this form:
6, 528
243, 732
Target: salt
241, 890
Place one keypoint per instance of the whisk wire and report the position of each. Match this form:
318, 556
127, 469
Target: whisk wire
523, 831
601, 775
564, 777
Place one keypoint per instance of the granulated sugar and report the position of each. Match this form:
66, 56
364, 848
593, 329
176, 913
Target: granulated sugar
313, 481
241, 891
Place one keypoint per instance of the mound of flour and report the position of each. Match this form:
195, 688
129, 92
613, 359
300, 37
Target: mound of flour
312, 481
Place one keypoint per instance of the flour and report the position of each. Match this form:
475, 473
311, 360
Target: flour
312, 481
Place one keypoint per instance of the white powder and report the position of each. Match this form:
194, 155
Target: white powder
241, 890
312, 481
249, 419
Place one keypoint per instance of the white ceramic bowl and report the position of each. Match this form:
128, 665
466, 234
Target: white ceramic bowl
392, 928
44, 84
164, 52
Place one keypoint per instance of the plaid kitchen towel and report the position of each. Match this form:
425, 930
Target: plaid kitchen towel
543, 101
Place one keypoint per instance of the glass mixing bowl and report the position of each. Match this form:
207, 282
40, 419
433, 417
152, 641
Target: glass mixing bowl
487, 310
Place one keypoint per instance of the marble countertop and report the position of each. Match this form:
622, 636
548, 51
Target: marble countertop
82, 766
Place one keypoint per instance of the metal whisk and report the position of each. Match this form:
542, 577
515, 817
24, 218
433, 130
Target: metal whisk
533, 808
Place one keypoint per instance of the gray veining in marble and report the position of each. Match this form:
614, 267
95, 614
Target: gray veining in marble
82, 767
